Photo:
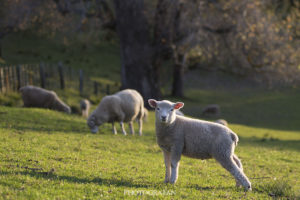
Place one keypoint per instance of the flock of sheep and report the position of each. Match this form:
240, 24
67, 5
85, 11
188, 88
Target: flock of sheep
176, 134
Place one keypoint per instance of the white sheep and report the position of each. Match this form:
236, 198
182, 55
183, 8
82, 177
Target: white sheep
194, 138
211, 110
124, 106
222, 121
85, 107
33, 96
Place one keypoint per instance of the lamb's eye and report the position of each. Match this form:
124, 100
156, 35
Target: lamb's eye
157, 108
172, 110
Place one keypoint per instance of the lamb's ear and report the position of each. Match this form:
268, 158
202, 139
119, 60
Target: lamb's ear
152, 103
178, 105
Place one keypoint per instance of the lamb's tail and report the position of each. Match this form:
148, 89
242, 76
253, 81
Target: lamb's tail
234, 138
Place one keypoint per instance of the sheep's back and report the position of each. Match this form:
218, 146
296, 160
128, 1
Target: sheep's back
36, 97
131, 104
201, 138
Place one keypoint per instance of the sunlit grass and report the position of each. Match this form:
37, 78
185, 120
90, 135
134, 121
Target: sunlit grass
47, 154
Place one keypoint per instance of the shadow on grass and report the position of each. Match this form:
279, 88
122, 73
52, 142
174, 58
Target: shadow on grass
271, 143
73, 179
197, 187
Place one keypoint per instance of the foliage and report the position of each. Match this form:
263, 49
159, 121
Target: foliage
247, 38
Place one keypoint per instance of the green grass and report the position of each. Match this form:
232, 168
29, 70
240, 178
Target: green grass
47, 154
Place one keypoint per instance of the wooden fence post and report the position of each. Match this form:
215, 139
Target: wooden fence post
80, 81
1, 79
95, 87
61, 76
18, 77
26, 74
14, 78
42, 75
6, 74
107, 89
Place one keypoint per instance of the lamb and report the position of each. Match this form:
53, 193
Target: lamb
178, 135
222, 121
85, 107
124, 106
38, 97
211, 110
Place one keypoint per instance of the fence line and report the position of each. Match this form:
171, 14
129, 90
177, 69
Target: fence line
50, 76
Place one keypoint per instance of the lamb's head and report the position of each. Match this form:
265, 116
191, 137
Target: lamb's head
94, 121
91, 122
165, 110
61, 106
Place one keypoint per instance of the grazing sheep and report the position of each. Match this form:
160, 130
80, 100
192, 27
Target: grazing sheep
38, 97
124, 106
85, 107
211, 110
194, 138
222, 121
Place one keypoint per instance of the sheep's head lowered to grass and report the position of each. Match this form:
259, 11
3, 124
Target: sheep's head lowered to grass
93, 122
165, 111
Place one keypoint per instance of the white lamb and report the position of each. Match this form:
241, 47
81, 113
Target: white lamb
124, 106
194, 138
33, 96
85, 107
222, 121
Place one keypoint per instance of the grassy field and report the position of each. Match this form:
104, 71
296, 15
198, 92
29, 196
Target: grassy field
50, 155
46, 154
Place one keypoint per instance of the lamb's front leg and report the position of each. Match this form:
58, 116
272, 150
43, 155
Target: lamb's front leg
167, 157
131, 128
123, 129
175, 158
114, 130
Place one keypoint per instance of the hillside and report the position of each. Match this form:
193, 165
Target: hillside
46, 154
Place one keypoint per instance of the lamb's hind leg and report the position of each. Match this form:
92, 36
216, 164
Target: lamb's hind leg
229, 164
131, 128
239, 164
140, 122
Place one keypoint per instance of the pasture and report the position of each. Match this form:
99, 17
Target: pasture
50, 155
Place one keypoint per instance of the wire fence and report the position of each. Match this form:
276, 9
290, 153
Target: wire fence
51, 76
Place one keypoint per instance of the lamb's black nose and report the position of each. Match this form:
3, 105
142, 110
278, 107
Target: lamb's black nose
163, 118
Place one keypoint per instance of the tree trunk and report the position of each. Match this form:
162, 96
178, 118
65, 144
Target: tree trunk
0, 48
137, 71
178, 73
